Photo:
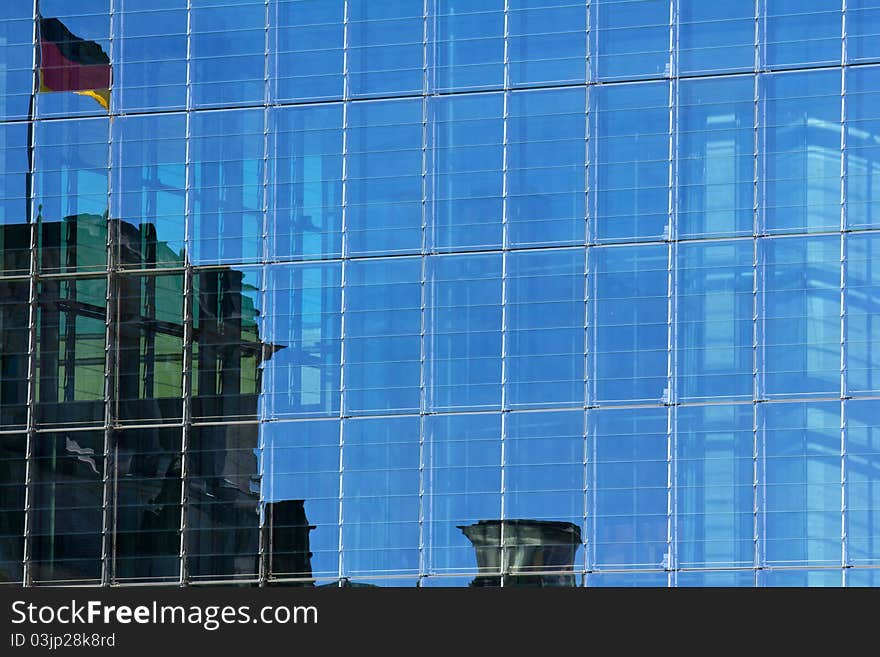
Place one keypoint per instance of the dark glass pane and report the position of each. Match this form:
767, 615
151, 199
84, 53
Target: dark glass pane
14, 297
12, 487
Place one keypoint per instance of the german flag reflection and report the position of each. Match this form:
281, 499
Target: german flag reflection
69, 63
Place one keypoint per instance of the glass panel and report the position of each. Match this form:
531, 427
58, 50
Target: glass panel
301, 489
800, 578
725, 578
467, 181
16, 61
380, 480
862, 29
545, 328
227, 350
800, 323
70, 351
383, 321
12, 488
306, 192
14, 297
469, 44
716, 160
228, 46
632, 38
303, 323
463, 488
619, 580
147, 504
800, 490
714, 333
547, 42
149, 180
149, 342
629, 314
544, 491
714, 486
464, 341
66, 509
715, 36
386, 47
14, 232
384, 177
632, 162
862, 477
150, 54
307, 57
546, 168
802, 32
70, 189
627, 459
862, 146
89, 20
862, 304
227, 186
802, 152
223, 502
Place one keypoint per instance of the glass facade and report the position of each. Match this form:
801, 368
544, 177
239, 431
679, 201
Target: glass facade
443, 293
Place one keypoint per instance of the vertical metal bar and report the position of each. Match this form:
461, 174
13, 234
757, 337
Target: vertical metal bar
188, 311
844, 386
262, 547
108, 509
587, 543
423, 405
505, 254
33, 268
756, 211
346, 99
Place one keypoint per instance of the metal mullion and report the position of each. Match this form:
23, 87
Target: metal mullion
33, 268
756, 210
346, 100
844, 385
588, 544
423, 405
109, 487
263, 561
188, 310
505, 246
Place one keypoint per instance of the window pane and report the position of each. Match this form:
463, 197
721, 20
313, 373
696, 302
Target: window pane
862, 461
16, 62
632, 38
14, 297
628, 334
465, 331
862, 302
469, 44
546, 168
802, 32
862, 28
12, 488
862, 147
716, 36
14, 232
547, 42
631, 176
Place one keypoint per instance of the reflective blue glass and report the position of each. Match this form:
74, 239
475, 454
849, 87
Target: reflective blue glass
14, 242
862, 147
799, 325
862, 302
628, 323
715, 37
632, 38
466, 162
150, 71
384, 183
716, 157
799, 457
714, 329
801, 578
16, 64
862, 29
631, 155
803, 32
386, 47
305, 206
381, 483
802, 154
226, 197
627, 458
547, 41
463, 485
545, 328
546, 168
464, 336
383, 320
714, 486
303, 323
862, 487
307, 49
468, 44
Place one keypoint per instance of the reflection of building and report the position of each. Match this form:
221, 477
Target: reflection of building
529, 552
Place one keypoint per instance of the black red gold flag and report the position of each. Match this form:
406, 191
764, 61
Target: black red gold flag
69, 63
